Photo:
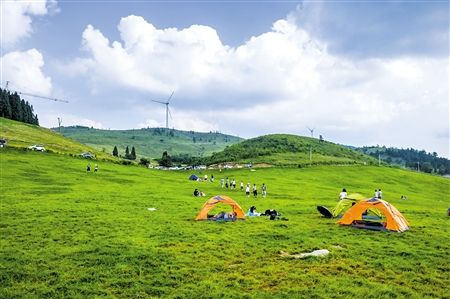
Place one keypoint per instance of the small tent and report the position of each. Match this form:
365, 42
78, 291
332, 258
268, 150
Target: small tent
193, 177
394, 219
343, 205
220, 199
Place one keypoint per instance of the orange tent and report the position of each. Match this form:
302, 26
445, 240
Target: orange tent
394, 219
219, 199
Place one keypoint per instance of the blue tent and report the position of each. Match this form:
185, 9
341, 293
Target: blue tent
193, 177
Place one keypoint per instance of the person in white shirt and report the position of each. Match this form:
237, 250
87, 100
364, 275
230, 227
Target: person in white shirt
343, 194
264, 190
247, 190
380, 194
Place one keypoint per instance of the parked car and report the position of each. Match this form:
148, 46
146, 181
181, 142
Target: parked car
2, 142
87, 155
37, 147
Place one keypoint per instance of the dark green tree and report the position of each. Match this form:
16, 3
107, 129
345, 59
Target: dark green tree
16, 107
133, 154
115, 152
5, 106
127, 153
165, 161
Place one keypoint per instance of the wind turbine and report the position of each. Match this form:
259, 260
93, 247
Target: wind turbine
167, 109
310, 147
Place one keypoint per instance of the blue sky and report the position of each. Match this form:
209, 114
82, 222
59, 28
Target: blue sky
361, 73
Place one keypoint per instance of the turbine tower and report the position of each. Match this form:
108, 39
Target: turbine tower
167, 109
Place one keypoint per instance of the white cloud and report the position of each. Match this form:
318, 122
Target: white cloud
279, 81
24, 71
17, 18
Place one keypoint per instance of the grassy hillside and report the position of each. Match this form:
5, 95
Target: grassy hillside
71, 234
21, 135
151, 142
289, 150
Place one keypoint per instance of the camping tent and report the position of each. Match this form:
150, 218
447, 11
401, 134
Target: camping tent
219, 199
394, 219
343, 205
193, 177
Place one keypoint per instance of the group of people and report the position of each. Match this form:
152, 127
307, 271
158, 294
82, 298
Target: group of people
273, 214
205, 178
378, 194
231, 184
88, 168
225, 215
198, 193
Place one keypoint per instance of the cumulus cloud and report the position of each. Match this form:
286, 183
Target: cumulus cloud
281, 80
17, 18
24, 71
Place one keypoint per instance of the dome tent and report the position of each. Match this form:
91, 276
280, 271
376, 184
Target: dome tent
193, 177
394, 219
220, 199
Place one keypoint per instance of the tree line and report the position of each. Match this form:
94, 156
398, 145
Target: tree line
410, 158
128, 155
15, 108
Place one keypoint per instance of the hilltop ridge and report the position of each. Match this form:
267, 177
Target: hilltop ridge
288, 150
151, 142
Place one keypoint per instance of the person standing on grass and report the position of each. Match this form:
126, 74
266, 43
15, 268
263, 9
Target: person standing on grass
222, 182
247, 190
88, 168
234, 184
264, 190
343, 194
375, 195
380, 194
96, 168
255, 191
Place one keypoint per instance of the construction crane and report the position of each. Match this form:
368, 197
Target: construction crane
34, 95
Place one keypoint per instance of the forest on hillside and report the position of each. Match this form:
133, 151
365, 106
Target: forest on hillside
410, 158
15, 108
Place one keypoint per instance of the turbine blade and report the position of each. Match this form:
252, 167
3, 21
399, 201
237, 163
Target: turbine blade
170, 96
159, 102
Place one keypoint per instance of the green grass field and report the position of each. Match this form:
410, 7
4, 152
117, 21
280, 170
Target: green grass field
66, 233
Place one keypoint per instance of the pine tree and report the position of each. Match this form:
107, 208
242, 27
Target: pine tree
115, 152
165, 161
127, 153
133, 154
16, 107
5, 106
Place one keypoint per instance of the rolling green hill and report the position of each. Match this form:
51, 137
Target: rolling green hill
288, 150
22, 135
151, 142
